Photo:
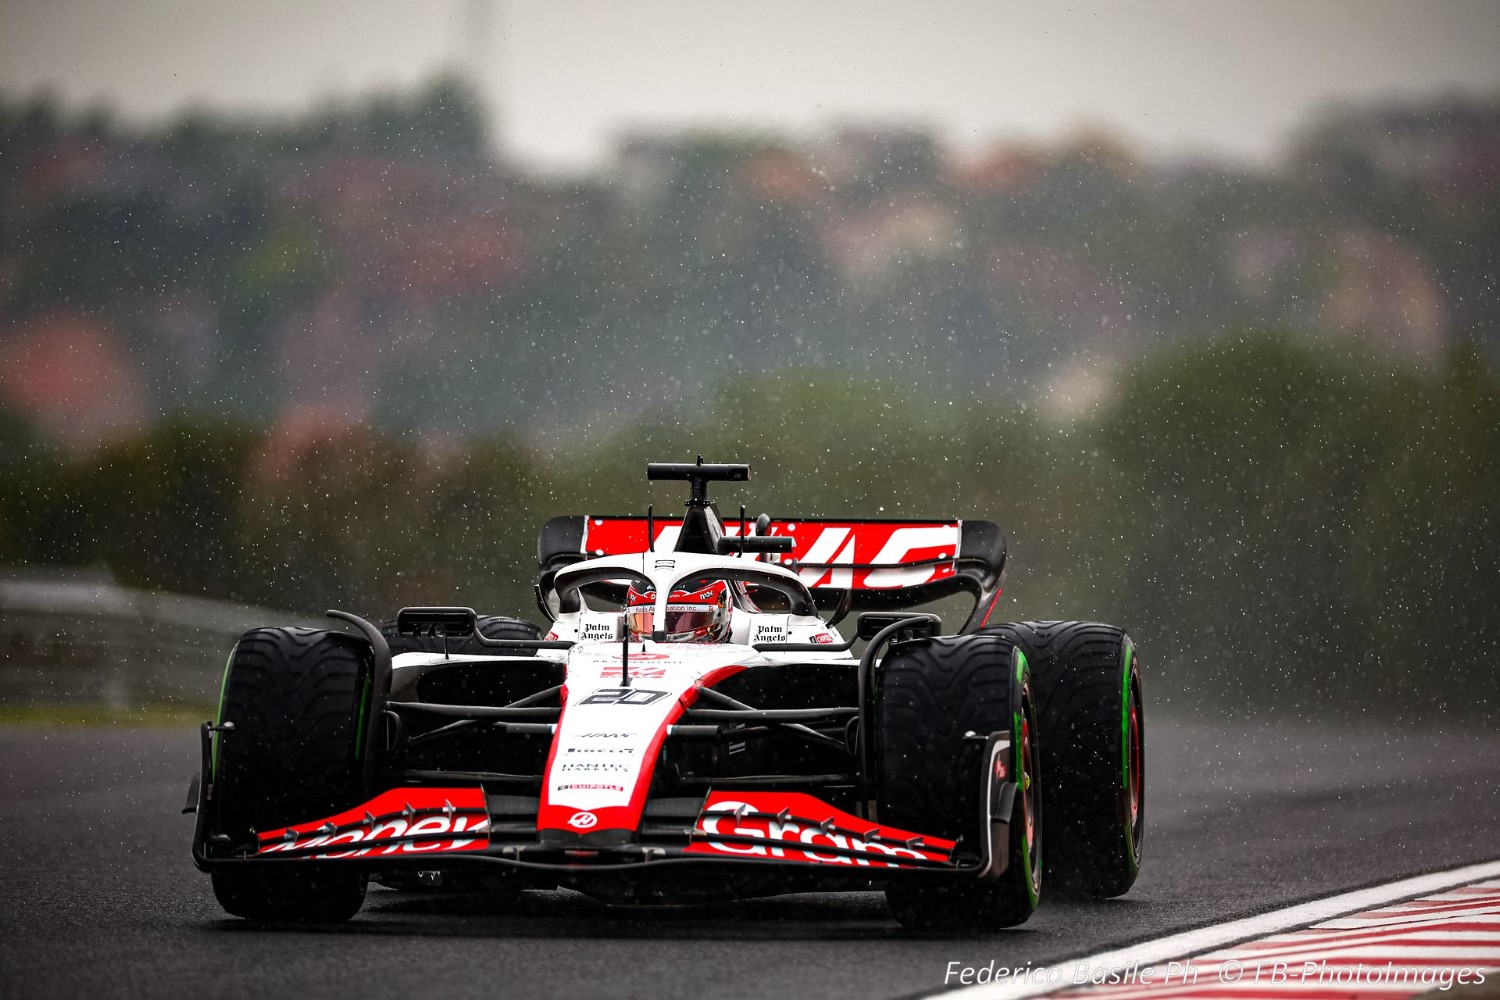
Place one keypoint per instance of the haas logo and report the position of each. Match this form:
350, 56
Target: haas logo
582, 820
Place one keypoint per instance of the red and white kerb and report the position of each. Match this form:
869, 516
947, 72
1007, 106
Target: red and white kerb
1435, 943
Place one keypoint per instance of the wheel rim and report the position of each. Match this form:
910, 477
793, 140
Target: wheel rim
1137, 761
1029, 793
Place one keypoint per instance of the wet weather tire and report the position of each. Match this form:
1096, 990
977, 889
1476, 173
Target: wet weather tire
931, 694
296, 699
1088, 690
490, 626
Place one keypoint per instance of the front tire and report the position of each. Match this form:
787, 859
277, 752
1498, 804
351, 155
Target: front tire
936, 698
297, 699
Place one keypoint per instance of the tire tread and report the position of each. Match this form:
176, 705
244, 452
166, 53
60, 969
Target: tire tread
1077, 673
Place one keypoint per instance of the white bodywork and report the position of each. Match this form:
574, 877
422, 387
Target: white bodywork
620, 698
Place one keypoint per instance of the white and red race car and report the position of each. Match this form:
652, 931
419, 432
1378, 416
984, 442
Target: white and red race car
613, 758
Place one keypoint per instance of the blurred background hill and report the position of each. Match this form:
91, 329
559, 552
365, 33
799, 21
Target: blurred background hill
356, 356
378, 266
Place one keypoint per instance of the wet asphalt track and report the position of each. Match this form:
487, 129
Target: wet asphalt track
98, 896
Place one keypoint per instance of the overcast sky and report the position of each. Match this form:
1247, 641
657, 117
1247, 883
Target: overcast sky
566, 77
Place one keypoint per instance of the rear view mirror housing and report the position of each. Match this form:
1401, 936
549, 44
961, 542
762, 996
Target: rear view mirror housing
437, 621
872, 623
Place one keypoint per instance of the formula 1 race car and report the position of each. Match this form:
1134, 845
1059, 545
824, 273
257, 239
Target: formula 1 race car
693, 726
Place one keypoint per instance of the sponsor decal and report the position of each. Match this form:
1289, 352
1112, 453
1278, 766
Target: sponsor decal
596, 766
400, 821
862, 555
594, 786
624, 696
583, 820
606, 736
909, 545
792, 826
600, 631
768, 631
824, 639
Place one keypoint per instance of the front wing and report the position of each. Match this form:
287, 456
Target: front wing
457, 826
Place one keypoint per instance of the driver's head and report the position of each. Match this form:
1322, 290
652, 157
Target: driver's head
700, 615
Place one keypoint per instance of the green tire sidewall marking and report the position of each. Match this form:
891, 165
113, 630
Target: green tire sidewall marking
213, 769
1017, 720
1127, 658
364, 705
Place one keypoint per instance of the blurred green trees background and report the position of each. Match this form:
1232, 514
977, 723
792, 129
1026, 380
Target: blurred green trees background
357, 360
1276, 524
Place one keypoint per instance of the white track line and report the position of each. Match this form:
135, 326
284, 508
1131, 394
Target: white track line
1196, 942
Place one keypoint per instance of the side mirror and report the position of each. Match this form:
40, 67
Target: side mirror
872, 623
436, 621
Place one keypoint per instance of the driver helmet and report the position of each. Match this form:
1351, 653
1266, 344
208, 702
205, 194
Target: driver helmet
700, 615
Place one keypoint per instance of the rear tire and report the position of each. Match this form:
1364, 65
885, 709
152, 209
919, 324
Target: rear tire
933, 693
1088, 689
297, 699
490, 626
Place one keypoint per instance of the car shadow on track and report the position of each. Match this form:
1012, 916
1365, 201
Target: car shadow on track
848, 916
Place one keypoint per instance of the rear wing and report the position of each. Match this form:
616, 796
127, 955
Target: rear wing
872, 564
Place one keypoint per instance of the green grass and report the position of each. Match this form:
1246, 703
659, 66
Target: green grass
160, 716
